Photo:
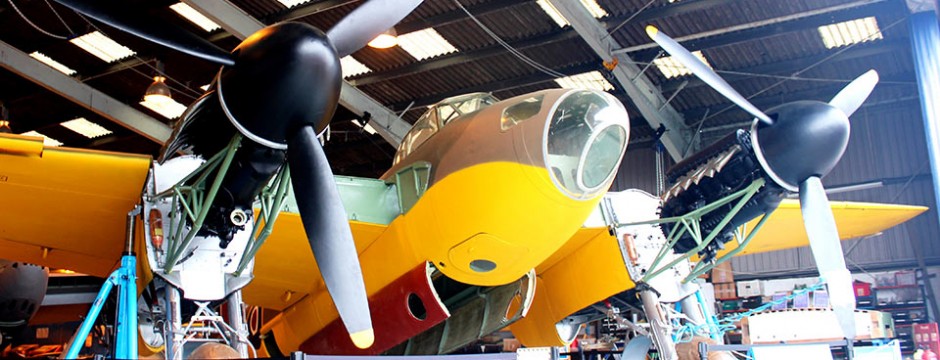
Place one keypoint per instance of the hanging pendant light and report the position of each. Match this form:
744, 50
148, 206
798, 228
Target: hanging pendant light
158, 92
4, 123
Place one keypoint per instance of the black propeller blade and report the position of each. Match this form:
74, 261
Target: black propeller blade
129, 19
327, 227
295, 59
366, 22
800, 146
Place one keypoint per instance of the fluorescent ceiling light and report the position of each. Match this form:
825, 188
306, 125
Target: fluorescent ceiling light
103, 47
47, 141
352, 67
850, 32
593, 80
165, 106
52, 63
292, 3
195, 17
593, 7
86, 128
425, 44
671, 68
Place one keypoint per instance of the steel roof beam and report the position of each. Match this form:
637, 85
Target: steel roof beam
120, 113
555, 36
237, 22
405, 27
496, 86
754, 31
647, 99
460, 58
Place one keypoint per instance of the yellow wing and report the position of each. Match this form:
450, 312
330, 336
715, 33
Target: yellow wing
563, 288
285, 270
784, 230
66, 208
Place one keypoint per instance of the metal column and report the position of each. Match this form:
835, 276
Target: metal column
659, 325
174, 326
925, 44
236, 316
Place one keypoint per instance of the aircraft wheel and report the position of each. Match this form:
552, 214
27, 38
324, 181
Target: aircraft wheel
214, 351
150, 326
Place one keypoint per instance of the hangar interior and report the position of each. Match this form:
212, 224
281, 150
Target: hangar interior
62, 85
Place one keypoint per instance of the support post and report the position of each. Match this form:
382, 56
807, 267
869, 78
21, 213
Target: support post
236, 316
174, 326
658, 324
925, 44
125, 278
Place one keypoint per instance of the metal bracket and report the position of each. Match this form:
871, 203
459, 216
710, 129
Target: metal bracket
195, 200
690, 224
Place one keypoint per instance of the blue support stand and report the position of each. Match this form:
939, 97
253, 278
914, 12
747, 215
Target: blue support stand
125, 278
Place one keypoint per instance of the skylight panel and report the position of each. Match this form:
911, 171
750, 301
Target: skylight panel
292, 3
425, 44
195, 17
52, 63
593, 80
671, 68
593, 7
87, 128
47, 141
103, 47
850, 32
352, 67
165, 106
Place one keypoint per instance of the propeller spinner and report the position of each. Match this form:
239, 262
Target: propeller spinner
279, 88
796, 145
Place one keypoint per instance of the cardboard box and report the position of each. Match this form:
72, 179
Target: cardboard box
750, 288
820, 299
905, 278
801, 301
722, 273
812, 325
725, 291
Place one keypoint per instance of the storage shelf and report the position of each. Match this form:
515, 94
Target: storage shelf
896, 287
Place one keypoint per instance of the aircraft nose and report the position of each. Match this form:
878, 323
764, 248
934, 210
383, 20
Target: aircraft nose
585, 141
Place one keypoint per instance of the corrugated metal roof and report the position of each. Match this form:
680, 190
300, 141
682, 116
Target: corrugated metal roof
500, 72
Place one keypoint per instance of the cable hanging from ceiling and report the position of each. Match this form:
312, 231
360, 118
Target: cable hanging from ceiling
512, 50
67, 27
796, 74
41, 30
192, 93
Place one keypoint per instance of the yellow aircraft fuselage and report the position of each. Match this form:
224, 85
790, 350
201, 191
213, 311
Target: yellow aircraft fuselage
507, 186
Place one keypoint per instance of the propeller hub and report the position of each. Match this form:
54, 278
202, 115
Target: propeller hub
807, 138
285, 77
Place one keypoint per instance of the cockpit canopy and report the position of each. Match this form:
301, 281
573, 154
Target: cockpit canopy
439, 116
